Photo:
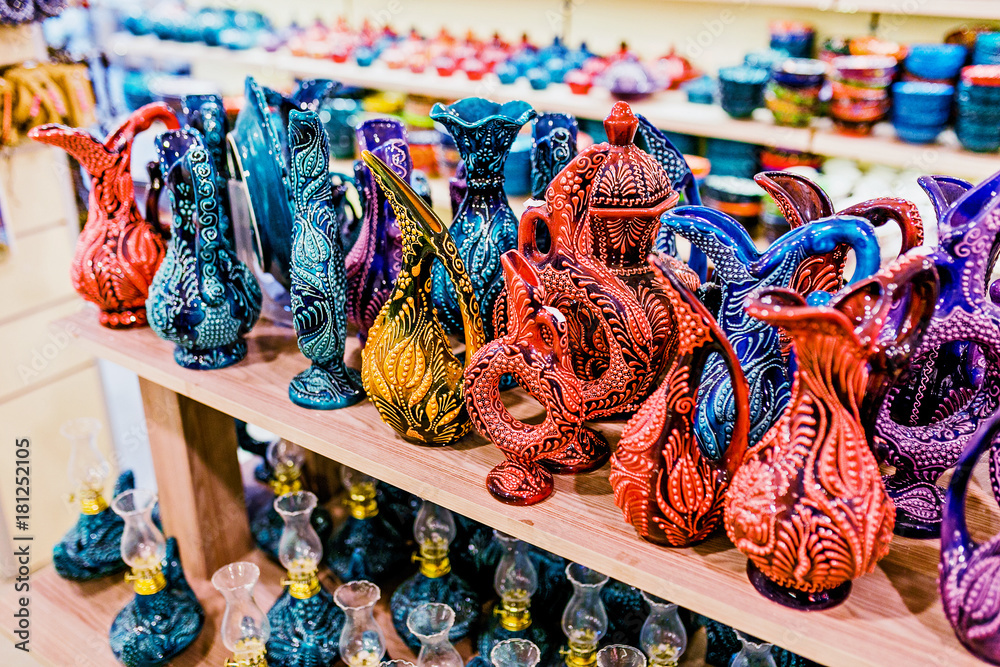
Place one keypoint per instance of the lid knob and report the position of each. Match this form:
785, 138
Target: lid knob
621, 124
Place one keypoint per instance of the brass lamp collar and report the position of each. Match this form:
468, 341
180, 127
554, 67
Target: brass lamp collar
302, 584
361, 501
252, 652
92, 502
433, 559
286, 478
147, 581
514, 612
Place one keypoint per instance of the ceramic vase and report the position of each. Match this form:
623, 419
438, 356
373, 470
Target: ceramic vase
553, 146
740, 270
207, 114
586, 325
119, 251
319, 285
375, 259
408, 368
953, 381
666, 488
203, 299
485, 226
807, 506
969, 582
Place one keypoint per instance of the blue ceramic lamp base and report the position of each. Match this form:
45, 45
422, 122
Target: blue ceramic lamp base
92, 547
367, 549
152, 629
448, 589
211, 359
304, 633
322, 387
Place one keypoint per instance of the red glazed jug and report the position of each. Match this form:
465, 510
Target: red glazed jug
118, 251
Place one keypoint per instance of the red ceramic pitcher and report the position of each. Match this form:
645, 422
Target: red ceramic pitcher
118, 251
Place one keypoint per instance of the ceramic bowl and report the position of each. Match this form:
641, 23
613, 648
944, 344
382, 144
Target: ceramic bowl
507, 73
976, 139
741, 89
799, 73
922, 103
865, 68
935, 61
982, 75
873, 46
538, 78
987, 49
579, 82
917, 134
765, 59
702, 90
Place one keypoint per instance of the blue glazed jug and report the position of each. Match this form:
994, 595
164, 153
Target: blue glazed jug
202, 298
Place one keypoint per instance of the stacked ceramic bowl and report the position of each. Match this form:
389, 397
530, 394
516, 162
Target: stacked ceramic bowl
935, 63
860, 86
920, 110
733, 158
793, 92
739, 198
978, 122
987, 51
793, 37
741, 89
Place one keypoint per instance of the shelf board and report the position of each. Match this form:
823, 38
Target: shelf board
669, 110
892, 617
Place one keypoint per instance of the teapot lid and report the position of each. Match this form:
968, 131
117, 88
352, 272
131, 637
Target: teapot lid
629, 178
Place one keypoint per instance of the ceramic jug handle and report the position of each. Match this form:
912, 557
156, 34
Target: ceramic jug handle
153, 198
139, 121
527, 233
890, 209
955, 539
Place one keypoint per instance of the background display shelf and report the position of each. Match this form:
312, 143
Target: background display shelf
668, 110
892, 617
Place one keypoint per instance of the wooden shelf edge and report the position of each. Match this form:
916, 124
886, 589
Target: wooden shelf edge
893, 613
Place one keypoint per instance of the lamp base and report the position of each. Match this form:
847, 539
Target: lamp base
449, 589
152, 629
304, 632
92, 547
212, 358
367, 549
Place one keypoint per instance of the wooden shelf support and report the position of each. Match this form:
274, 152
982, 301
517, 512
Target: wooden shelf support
198, 475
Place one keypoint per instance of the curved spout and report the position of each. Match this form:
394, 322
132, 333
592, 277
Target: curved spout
943, 192
800, 199
717, 235
821, 237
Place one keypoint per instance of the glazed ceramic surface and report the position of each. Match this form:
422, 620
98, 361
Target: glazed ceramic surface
202, 298
662, 482
153, 629
374, 261
408, 368
953, 382
970, 572
554, 145
304, 632
484, 227
207, 114
740, 270
319, 284
586, 325
93, 546
119, 251
812, 480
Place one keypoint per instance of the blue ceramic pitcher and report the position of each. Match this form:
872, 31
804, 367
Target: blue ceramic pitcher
202, 298
740, 269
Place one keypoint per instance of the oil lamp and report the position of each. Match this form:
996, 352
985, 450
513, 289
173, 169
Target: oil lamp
164, 617
620, 655
663, 636
430, 622
753, 653
515, 582
245, 628
584, 621
92, 547
366, 545
515, 653
305, 621
285, 460
434, 530
361, 642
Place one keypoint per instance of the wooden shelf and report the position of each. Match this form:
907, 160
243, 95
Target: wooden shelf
892, 617
668, 110
967, 9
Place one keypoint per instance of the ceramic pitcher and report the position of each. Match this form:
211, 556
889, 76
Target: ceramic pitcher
119, 251
740, 270
662, 482
807, 506
203, 298
953, 381
408, 368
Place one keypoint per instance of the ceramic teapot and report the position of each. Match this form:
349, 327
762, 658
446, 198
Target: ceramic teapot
740, 270
969, 571
953, 380
662, 482
408, 368
807, 506
590, 330
202, 298
119, 250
